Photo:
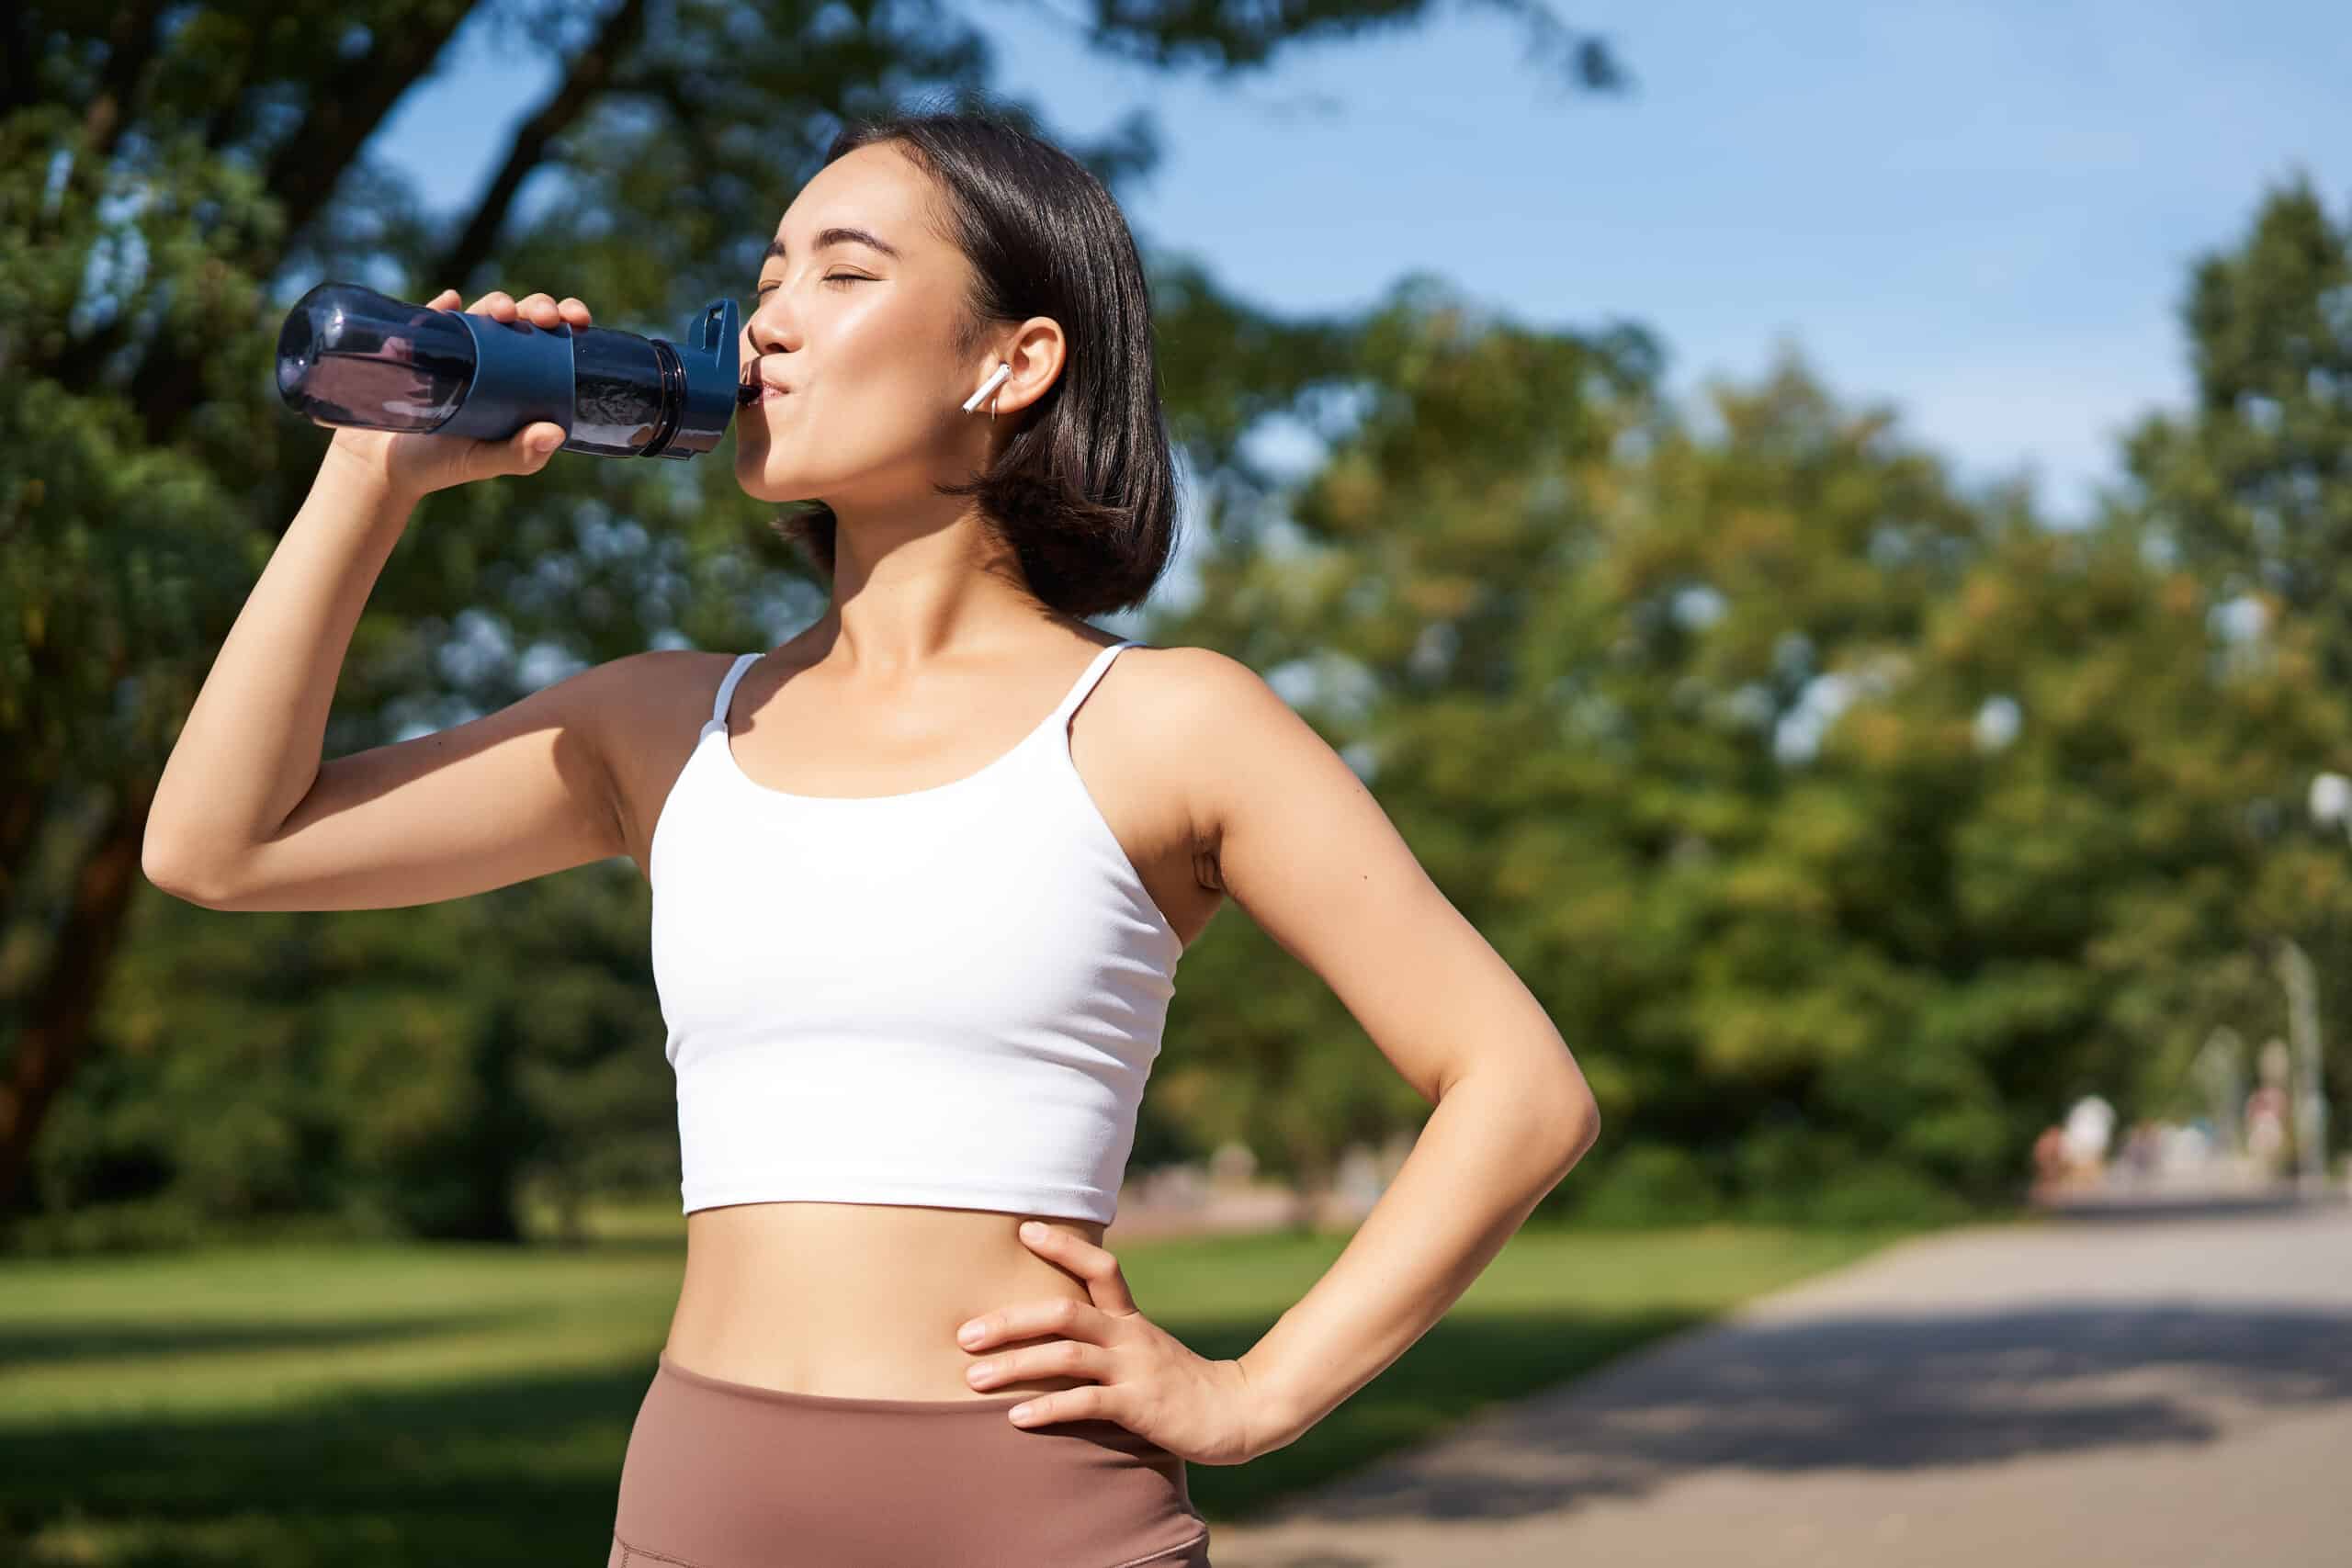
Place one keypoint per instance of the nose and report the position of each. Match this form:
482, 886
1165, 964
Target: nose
764, 327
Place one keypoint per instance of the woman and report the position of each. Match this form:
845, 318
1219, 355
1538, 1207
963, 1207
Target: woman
914, 944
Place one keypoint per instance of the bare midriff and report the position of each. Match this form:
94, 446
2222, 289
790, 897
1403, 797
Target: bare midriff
860, 1299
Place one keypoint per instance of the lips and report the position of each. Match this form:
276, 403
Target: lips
749, 390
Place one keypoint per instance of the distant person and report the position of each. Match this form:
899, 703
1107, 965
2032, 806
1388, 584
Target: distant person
2049, 1163
2090, 1125
2265, 1129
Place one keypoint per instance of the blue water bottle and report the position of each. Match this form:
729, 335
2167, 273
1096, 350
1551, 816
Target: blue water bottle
348, 354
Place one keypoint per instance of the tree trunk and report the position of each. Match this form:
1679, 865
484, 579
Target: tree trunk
57, 1013
587, 75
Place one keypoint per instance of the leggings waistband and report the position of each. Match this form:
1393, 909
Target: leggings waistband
994, 1403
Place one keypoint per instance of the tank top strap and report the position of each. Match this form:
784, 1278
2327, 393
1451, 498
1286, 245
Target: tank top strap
727, 687
1077, 694
1059, 719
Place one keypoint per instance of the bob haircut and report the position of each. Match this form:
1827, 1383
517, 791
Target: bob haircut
1084, 493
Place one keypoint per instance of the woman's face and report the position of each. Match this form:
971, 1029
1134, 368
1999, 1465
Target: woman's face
859, 337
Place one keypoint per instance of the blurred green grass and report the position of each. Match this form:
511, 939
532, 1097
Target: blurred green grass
392, 1404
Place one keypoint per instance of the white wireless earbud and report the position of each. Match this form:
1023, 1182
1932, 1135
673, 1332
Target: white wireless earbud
986, 387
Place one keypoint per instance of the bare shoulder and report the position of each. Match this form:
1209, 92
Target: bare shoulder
622, 693
647, 707
1208, 720
1205, 696
662, 673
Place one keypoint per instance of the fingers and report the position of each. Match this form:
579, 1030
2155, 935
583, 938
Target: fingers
1063, 1358
1098, 1266
538, 310
535, 444
542, 311
1058, 1317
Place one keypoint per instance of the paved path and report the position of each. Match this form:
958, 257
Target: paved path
2156, 1391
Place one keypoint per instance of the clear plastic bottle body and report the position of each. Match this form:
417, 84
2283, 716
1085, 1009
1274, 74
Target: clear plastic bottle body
348, 354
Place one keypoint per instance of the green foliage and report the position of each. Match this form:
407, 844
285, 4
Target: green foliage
2248, 485
1645, 1185
118, 550
397, 1075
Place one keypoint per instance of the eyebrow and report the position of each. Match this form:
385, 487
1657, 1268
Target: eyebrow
836, 237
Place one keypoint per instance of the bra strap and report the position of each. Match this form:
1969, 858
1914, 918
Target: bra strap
727, 687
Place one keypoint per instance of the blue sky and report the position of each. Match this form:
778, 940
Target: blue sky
1982, 213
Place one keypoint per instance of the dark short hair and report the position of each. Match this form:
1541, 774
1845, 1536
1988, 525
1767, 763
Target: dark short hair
1084, 493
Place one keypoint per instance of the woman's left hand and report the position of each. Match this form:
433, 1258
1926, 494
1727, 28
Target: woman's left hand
1145, 1378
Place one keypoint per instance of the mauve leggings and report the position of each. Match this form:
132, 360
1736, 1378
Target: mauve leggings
722, 1474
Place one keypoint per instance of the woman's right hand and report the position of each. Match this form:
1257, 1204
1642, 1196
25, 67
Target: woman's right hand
417, 463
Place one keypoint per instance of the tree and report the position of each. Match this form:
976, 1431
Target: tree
2248, 487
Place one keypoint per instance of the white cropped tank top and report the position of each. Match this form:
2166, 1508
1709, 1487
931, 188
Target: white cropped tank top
950, 997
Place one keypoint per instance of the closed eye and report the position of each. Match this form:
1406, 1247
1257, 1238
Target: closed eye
761, 292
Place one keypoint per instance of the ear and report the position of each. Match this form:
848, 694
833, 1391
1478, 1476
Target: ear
1036, 354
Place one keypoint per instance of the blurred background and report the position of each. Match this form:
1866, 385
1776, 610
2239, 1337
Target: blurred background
1826, 531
